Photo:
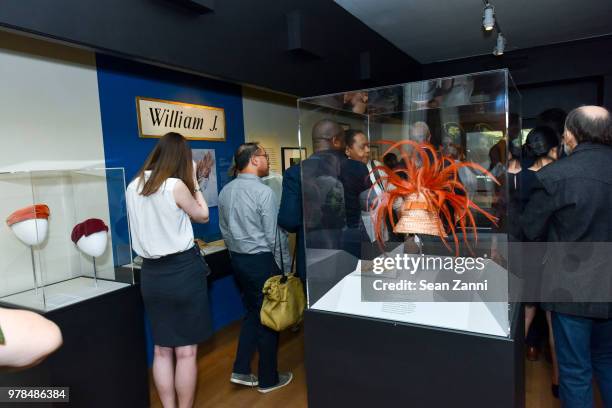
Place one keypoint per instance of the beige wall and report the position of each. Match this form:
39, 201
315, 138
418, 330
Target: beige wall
272, 120
50, 108
49, 119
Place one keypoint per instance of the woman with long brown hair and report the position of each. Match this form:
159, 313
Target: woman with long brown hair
162, 200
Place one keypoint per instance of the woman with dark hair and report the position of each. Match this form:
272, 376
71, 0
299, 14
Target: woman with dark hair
355, 181
162, 200
354, 173
554, 118
358, 174
542, 145
357, 145
390, 160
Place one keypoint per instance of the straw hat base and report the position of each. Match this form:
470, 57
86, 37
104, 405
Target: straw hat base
419, 221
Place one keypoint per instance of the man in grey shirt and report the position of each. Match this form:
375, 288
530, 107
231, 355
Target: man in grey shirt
247, 218
247, 214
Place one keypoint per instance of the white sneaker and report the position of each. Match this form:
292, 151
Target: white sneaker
283, 379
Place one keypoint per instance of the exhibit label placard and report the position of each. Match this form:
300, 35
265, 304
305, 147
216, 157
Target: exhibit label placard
156, 117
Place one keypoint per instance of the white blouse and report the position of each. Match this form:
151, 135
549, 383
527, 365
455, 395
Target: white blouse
158, 225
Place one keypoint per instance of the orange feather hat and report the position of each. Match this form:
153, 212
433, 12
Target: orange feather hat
432, 192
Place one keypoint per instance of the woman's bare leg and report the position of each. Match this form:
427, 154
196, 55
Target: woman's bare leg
186, 376
530, 313
163, 375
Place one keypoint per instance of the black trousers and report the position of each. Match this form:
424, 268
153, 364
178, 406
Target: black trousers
251, 272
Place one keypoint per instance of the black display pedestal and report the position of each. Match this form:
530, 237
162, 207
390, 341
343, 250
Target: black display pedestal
103, 358
359, 362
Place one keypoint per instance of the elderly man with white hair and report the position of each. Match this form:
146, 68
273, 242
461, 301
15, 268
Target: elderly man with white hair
571, 209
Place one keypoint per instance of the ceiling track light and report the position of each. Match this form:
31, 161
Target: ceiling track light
500, 46
488, 17
490, 23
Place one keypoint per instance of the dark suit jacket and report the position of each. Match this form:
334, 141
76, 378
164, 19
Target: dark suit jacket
290, 214
571, 209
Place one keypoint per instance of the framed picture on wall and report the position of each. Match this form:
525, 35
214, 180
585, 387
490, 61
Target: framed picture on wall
375, 152
291, 156
206, 171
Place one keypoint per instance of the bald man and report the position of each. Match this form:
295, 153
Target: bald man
328, 145
571, 209
419, 132
327, 135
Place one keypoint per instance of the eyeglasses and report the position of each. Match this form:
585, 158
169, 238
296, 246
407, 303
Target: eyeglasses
263, 155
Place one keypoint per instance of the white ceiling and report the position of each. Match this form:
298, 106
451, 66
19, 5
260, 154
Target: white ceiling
439, 30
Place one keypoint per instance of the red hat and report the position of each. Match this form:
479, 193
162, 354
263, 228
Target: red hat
38, 211
86, 228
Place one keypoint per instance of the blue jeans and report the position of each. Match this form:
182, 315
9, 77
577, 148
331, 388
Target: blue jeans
251, 272
584, 349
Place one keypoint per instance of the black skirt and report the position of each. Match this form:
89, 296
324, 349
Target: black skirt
175, 294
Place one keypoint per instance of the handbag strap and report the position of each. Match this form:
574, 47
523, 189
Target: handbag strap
278, 239
375, 177
280, 248
294, 256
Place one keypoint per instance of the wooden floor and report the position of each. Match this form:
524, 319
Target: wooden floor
215, 365
215, 360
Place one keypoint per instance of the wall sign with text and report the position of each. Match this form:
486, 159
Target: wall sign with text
157, 117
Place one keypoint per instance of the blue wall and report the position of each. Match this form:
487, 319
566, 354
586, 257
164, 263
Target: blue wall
120, 82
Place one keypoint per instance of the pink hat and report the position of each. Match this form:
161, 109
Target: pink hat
86, 228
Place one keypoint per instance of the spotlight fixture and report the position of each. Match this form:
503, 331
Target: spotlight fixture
488, 17
501, 45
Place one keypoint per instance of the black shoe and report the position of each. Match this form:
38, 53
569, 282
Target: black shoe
554, 388
533, 353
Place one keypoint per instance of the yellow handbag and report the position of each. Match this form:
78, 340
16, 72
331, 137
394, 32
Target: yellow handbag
284, 300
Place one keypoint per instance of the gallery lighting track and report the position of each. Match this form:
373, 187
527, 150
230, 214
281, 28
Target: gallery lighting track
490, 23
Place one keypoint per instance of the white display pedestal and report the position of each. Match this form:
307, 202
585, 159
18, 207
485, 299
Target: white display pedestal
63, 293
474, 316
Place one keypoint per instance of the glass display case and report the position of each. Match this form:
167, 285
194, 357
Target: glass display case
65, 237
419, 233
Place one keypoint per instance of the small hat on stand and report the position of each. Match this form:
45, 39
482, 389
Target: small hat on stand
86, 228
37, 211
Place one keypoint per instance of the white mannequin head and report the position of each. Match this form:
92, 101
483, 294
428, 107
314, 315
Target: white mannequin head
94, 244
31, 232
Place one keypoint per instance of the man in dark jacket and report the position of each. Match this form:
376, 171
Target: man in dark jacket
571, 209
325, 165
290, 214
